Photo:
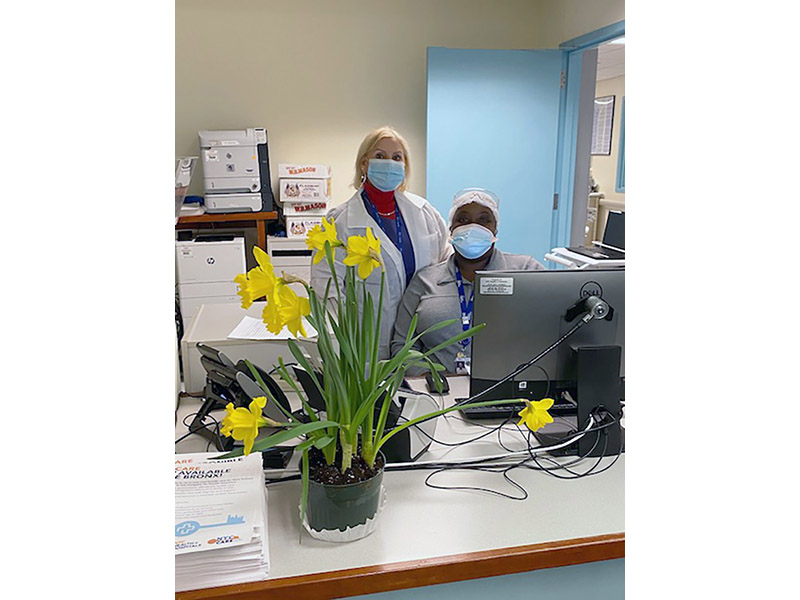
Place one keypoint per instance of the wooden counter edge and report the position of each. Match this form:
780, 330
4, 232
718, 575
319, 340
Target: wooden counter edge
417, 573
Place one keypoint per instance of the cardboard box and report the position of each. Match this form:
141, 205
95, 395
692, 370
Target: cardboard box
308, 209
301, 171
305, 190
298, 227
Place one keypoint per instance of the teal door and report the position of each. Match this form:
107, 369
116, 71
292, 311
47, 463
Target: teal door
493, 118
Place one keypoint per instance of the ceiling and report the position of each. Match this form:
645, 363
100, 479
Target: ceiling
610, 61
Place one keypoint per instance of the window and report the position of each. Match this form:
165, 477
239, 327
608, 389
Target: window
602, 124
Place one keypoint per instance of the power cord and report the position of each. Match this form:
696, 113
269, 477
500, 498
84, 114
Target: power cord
205, 425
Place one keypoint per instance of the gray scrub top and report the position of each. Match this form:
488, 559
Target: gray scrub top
433, 295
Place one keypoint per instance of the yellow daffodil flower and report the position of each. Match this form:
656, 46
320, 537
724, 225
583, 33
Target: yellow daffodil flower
271, 315
535, 414
316, 238
259, 281
292, 310
242, 424
364, 252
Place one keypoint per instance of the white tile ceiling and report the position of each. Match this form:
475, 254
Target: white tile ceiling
610, 61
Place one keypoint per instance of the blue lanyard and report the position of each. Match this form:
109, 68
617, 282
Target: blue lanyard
466, 307
397, 219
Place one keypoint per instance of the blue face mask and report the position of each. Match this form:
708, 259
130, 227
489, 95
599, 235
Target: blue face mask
472, 240
386, 174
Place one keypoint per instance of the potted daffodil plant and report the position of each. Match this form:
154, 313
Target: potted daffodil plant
341, 459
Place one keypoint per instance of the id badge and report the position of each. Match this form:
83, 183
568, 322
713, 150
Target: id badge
463, 364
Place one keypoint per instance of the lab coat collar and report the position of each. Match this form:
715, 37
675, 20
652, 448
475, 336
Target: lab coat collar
496, 263
357, 215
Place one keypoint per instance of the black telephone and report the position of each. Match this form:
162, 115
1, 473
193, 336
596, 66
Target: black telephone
227, 382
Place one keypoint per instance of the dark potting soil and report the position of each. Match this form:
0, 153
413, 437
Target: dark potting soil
321, 472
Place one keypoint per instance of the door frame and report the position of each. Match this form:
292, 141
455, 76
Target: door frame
568, 180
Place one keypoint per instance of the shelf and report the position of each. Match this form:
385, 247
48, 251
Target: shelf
260, 219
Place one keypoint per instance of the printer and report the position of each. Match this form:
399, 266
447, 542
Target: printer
205, 268
236, 170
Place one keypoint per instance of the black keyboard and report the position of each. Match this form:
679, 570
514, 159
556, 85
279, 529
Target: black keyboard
510, 410
598, 252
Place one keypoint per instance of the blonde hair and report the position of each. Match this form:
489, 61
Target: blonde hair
369, 144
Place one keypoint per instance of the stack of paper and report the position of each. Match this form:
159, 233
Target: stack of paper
220, 521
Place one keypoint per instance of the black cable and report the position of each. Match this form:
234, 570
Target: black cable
500, 435
479, 464
196, 429
600, 430
478, 488
218, 442
519, 370
550, 471
546, 376
483, 435
215, 423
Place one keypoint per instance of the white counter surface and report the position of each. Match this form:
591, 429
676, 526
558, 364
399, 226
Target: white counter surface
420, 522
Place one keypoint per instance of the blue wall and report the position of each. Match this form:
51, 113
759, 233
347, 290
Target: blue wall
591, 581
493, 123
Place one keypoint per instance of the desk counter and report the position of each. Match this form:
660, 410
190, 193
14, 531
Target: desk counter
429, 536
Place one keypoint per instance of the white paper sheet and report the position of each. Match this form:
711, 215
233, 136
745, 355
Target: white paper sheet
250, 328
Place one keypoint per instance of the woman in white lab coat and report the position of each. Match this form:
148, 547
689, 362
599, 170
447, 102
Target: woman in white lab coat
412, 233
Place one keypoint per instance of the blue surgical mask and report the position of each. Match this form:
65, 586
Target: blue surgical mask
386, 174
472, 240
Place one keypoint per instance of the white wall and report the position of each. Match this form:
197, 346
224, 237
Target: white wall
319, 75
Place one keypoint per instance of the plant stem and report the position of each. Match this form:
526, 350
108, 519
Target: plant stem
367, 452
347, 451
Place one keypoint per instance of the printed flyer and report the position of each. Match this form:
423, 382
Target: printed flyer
218, 503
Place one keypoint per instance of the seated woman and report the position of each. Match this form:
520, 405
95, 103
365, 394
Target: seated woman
444, 291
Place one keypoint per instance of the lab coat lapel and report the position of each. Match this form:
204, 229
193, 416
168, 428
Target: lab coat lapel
411, 207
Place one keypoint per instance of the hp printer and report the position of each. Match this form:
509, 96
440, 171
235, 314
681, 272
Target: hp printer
236, 170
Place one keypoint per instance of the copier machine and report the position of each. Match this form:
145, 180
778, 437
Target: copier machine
236, 170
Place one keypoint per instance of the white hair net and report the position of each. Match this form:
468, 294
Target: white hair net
480, 196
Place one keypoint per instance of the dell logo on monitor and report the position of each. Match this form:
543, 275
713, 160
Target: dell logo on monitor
591, 288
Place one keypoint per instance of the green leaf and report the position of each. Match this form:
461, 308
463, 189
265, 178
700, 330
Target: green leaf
304, 493
265, 389
456, 338
282, 436
324, 441
300, 393
303, 362
434, 414
400, 356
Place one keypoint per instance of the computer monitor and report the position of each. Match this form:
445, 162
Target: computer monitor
525, 312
